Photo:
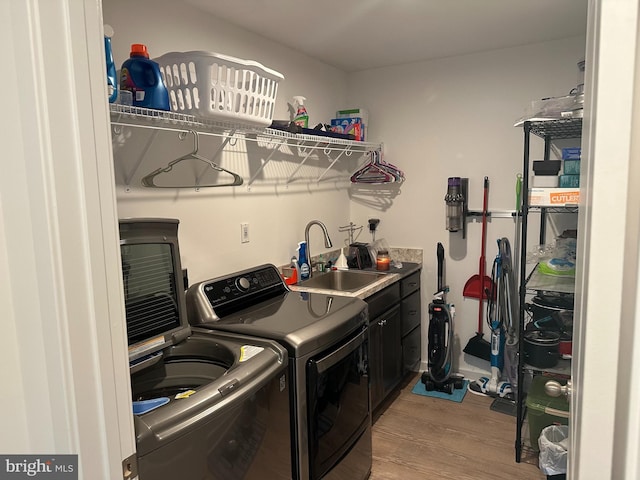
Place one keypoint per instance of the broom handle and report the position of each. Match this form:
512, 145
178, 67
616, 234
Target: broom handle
482, 259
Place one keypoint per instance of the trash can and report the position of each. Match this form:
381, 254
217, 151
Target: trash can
554, 444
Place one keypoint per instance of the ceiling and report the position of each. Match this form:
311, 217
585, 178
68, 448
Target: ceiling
357, 35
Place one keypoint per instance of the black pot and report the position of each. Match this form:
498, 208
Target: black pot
542, 348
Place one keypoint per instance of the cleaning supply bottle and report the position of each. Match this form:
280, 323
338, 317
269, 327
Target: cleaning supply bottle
303, 261
293, 279
141, 76
302, 117
112, 81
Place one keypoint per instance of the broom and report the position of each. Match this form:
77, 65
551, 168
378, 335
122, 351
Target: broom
477, 287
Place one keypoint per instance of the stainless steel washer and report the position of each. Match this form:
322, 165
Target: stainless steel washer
207, 405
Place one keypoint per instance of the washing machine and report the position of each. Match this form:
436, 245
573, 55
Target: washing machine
326, 338
206, 405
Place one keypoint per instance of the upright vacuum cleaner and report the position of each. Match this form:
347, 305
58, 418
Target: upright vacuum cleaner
438, 375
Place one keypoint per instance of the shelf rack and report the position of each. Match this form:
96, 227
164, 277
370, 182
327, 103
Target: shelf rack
271, 139
548, 130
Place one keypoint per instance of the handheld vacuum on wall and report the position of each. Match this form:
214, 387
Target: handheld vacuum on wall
438, 375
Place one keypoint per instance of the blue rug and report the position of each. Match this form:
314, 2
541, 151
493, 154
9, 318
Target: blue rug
456, 396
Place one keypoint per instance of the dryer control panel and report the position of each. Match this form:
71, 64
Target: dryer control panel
234, 292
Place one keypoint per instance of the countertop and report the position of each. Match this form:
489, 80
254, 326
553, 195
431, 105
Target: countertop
390, 277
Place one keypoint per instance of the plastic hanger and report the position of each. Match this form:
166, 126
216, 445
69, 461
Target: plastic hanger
148, 180
376, 171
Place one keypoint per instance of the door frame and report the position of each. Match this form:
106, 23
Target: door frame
61, 281
605, 420
62, 193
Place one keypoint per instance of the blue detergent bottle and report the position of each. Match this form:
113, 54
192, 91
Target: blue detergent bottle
112, 78
142, 78
303, 261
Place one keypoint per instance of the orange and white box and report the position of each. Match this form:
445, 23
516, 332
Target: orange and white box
554, 197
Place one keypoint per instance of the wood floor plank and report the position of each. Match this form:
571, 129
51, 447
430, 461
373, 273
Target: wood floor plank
419, 437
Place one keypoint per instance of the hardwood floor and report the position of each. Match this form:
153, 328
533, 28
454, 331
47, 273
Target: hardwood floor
420, 437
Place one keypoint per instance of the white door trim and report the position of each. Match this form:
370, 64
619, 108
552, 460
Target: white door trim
604, 364
59, 249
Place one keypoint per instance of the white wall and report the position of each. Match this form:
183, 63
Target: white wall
448, 117
210, 219
454, 117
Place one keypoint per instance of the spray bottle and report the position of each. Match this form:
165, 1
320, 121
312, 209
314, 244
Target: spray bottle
112, 81
302, 117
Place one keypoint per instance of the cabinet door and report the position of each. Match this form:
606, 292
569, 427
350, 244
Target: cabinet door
375, 363
391, 348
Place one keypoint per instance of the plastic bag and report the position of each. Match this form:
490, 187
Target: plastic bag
557, 258
554, 444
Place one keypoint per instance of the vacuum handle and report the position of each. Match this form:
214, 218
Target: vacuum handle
440, 254
485, 204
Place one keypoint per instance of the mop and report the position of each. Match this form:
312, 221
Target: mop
500, 320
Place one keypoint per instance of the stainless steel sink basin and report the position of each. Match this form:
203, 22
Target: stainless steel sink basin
342, 280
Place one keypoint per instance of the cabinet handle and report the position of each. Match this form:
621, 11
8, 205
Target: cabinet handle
412, 312
382, 322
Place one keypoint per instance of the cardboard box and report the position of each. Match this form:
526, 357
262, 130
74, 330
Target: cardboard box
354, 113
554, 197
353, 126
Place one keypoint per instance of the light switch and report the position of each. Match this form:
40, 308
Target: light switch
244, 233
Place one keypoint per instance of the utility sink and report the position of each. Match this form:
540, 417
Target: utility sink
342, 280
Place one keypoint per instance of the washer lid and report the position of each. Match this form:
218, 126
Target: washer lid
153, 286
220, 374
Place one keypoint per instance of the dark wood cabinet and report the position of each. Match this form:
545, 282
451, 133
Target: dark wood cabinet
385, 354
385, 342
394, 335
411, 316
391, 349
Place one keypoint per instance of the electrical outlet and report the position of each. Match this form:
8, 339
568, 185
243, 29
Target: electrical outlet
244, 233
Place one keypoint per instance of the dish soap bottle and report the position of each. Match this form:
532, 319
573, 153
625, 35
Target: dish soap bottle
112, 82
142, 78
303, 261
302, 117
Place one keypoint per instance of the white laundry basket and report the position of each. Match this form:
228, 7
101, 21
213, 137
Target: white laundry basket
220, 87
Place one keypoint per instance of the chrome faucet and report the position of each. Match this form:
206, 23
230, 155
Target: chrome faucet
327, 240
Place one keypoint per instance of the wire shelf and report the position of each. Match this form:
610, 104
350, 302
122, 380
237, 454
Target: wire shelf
163, 120
557, 128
